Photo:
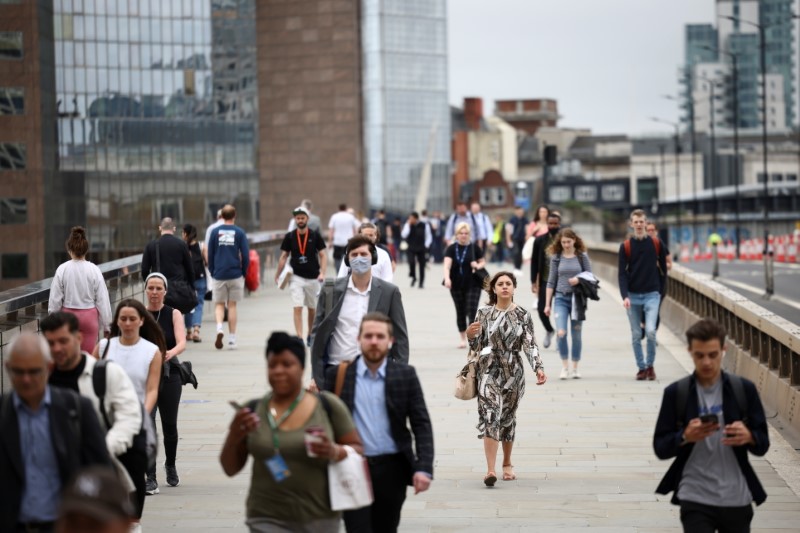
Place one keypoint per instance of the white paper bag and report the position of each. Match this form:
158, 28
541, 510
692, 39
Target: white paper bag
349, 483
285, 276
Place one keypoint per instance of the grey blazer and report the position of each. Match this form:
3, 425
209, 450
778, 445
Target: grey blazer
383, 297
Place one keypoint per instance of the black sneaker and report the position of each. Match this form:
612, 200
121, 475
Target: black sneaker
151, 486
172, 476
308, 341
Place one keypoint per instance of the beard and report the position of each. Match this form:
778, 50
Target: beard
302, 225
553, 231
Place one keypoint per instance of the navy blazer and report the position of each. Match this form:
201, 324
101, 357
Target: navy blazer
404, 402
72, 451
668, 436
383, 297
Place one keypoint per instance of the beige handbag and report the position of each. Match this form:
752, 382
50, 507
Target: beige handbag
466, 387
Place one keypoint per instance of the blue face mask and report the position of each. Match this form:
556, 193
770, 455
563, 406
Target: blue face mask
360, 265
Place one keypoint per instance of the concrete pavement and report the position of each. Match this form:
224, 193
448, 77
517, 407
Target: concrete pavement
583, 454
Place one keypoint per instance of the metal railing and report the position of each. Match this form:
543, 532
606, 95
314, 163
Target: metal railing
22, 308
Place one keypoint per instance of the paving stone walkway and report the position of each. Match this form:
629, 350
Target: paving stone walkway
583, 454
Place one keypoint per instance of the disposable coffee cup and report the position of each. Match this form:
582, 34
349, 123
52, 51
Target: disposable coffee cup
313, 434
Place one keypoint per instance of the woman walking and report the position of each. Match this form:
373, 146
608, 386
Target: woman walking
79, 288
461, 259
169, 392
272, 430
539, 224
137, 344
194, 320
502, 333
568, 258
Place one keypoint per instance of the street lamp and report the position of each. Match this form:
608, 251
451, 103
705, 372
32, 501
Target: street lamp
693, 138
677, 170
713, 159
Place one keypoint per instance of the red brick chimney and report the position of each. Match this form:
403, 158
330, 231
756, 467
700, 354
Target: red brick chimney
473, 113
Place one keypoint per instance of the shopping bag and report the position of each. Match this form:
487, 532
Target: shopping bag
349, 482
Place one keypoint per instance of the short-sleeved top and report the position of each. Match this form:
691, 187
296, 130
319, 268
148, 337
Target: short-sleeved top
303, 496
309, 267
462, 256
135, 360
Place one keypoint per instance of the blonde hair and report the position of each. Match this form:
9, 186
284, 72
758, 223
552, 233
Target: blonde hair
462, 225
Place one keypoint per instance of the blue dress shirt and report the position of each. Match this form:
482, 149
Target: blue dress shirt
40, 495
371, 417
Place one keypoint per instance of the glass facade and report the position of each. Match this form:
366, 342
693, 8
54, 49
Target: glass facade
777, 16
404, 46
157, 111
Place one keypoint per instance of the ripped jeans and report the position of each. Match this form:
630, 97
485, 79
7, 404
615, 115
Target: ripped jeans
562, 306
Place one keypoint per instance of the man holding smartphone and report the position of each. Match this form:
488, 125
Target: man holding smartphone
709, 421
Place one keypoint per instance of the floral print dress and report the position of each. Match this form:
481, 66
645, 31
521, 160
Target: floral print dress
501, 375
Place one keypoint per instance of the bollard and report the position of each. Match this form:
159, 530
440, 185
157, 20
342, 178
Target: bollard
715, 257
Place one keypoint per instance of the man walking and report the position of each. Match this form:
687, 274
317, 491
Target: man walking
46, 435
641, 262
228, 258
314, 223
169, 255
484, 224
305, 249
341, 227
383, 269
516, 234
540, 270
462, 215
709, 421
339, 314
418, 236
385, 398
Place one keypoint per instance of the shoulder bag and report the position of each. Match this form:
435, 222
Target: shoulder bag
466, 384
180, 294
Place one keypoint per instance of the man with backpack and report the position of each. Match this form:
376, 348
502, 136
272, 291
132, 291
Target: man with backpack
709, 421
641, 260
109, 389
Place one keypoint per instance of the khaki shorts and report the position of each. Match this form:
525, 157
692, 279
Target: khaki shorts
228, 290
304, 291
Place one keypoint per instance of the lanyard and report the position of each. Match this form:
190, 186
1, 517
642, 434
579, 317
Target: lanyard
302, 245
273, 424
460, 258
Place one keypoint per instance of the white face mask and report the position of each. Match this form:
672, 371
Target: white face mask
361, 265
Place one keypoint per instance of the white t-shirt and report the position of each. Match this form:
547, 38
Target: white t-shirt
134, 359
344, 226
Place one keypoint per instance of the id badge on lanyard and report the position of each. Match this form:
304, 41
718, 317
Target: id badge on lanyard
277, 464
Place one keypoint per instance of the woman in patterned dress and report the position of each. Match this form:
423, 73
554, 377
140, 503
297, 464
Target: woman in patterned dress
501, 333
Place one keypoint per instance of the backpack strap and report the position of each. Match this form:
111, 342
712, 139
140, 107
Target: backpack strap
627, 246
681, 399
580, 260
325, 405
741, 398
99, 386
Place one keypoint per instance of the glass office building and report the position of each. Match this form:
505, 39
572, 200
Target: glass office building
157, 115
405, 100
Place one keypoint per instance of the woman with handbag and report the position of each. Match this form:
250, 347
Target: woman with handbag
461, 261
568, 258
137, 344
502, 333
169, 392
292, 435
194, 320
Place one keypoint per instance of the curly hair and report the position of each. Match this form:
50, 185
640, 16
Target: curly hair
489, 284
557, 249
150, 330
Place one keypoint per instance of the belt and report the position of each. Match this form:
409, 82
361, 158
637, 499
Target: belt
386, 458
35, 527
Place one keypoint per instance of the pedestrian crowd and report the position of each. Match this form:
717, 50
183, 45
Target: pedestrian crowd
79, 427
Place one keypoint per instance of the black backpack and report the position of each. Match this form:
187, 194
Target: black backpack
141, 445
683, 397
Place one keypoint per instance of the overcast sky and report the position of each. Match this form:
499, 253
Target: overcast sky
606, 62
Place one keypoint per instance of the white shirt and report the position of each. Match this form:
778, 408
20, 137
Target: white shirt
382, 269
135, 360
209, 229
344, 341
79, 284
344, 226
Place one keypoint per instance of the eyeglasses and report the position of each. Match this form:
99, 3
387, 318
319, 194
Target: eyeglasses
21, 372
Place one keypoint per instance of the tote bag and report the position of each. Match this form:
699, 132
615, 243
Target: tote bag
349, 482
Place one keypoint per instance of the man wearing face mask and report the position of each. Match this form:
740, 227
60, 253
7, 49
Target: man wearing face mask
335, 333
540, 270
383, 269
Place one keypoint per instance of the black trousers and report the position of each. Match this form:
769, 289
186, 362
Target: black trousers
540, 305
389, 475
413, 257
466, 301
136, 465
169, 399
700, 518
517, 254
338, 255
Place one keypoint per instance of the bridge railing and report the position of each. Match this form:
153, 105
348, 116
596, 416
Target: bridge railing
22, 308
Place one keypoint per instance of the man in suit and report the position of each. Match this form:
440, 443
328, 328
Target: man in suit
417, 234
46, 435
385, 397
339, 312
540, 270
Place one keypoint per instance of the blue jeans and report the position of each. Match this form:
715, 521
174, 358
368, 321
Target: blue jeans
562, 306
644, 304
195, 318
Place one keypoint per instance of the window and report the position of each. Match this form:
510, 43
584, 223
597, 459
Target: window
560, 194
12, 101
10, 45
13, 210
613, 193
14, 266
12, 156
760, 177
791, 177
586, 193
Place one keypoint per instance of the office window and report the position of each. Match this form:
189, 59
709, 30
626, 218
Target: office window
12, 101
14, 266
13, 210
10, 45
12, 156
791, 177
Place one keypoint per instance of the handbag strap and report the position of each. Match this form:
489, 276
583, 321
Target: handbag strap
340, 374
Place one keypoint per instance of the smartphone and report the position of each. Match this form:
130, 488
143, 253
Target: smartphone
711, 417
236, 405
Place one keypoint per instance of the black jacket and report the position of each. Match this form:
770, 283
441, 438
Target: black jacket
176, 263
668, 435
73, 451
405, 404
584, 291
539, 260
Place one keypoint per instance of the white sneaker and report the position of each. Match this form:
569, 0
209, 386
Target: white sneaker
574, 374
231, 345
548, 339
564, 374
